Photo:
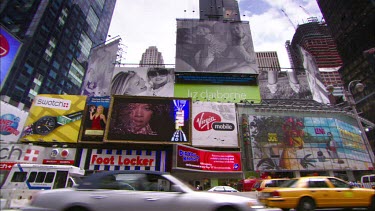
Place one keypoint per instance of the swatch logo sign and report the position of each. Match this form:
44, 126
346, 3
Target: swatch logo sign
204, 121
53, 103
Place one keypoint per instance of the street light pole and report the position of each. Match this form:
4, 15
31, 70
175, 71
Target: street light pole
351, 101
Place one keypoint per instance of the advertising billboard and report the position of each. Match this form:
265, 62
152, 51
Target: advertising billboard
209, 161
118, 159
54, 118
95, 119
9, 47
217, 93
149, 119
214, 124
215, 47
11, 154
12, 120
100, 68
305, 143
143, 81
291, 84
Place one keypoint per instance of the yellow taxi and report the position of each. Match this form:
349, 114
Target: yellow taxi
310, 193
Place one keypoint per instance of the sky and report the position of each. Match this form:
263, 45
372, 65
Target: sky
144, 23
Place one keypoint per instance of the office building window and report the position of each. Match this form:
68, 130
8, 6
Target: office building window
93, 20
100, 3
76, 73
85, 45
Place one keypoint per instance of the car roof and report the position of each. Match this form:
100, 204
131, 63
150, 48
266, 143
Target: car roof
89, 181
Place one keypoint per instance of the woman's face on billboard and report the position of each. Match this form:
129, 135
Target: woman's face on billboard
136, 85
140, 114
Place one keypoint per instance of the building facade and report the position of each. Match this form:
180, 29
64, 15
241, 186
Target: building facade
56, 38
219, 10
152, 58
352, 27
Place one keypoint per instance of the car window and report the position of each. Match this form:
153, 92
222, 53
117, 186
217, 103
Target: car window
219, 189
372, 178
365, 179
292, 183
257, 185
314, 183
271, 183
338, 183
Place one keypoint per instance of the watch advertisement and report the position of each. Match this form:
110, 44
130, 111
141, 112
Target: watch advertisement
54, 118
209, 161
95, 119
149, 120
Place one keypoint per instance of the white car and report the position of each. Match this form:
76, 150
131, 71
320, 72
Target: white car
222, 189
137, 191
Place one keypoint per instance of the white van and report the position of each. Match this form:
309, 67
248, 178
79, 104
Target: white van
368, 181
25, 179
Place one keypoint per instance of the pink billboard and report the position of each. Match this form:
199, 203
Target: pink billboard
210, 161
9, 47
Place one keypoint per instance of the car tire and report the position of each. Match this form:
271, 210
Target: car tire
306, 204
76, 209
372, 205
227, 208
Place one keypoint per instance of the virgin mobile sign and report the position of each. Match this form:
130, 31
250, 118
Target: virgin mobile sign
204, 160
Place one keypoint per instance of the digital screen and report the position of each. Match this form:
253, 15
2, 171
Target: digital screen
149, 119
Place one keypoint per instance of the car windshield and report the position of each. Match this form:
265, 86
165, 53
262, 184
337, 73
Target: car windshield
289, 183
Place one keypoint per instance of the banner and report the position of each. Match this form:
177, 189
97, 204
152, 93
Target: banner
100, 68
149, 119
9, 47
210, 161
54, 118
95, 119
214, 124
12, 120
215, 47
143, 81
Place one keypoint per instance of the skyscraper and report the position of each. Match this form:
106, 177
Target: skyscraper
152, 58
219, 10
316, 38
56, 38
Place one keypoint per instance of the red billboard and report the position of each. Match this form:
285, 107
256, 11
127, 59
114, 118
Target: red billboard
203, 160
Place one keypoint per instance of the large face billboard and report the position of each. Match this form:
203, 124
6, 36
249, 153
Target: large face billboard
214, 124
215, 46
143, 81
210, 161
8, 51
152, 120
217, 93
95, 119
305, 143
12, 121
100, 69
54, 118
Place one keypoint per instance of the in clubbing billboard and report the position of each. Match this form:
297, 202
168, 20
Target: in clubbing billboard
54, 118
12, 120
143, 81
100, 70
214, 124
215, 46
209, 161
304, 143
149, 119
95, 119
9, 47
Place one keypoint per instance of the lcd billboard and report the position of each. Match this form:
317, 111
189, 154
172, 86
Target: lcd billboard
54, 118
143, 81
9, 47
214, 124
149, 119
215, 46
194, 159
95, 119
305, 143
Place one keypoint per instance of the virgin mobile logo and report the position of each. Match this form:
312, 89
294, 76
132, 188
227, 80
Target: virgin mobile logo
207, 120
53, 103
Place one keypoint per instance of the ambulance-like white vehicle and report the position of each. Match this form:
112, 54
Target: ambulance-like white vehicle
25, 179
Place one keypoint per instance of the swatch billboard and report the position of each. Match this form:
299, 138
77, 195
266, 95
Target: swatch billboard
54, 118
149, 119
194, 159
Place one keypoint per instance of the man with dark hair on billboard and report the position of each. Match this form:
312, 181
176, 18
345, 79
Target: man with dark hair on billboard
161, 82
